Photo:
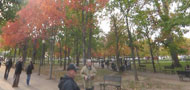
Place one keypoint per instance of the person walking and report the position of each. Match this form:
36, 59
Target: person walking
67, 82
8, 66
88, 72
18, 70
0, 63
29, 69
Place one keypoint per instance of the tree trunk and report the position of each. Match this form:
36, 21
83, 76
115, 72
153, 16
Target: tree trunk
173, 51
19, 51
43, 53
60, 53
24, 54
90, 37
151, 53
77, 51
132, 48
132, 54
117, 41
42, 58
137, 51
69, 60
84, 37
175, 59
65, 59
51, 59
15, 51
52, 41
48, 59
65, 51
34, 51
89, 43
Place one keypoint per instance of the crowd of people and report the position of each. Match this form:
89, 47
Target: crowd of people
124, 65
18, 70
67, 82
88, 73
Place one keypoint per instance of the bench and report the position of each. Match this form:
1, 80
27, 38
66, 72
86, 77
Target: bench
169, 69
111, 81
142, 67
183, 74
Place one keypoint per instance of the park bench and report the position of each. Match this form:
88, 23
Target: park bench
169, 69
183, 74
114, 81
142, 67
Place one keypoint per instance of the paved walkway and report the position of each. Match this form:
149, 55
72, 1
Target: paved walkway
37, 82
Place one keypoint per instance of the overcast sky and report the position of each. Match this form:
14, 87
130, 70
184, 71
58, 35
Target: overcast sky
105, 23
105, 26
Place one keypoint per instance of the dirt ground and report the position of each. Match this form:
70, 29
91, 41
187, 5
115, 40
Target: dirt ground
147, 81
152, 81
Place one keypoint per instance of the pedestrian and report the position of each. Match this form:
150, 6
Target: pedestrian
18, 70
0, 63
29, 69
113, 66
88, 72
8, 65
107, 64
187, 68
67, 82
102, 64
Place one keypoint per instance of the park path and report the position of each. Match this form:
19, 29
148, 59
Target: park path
37, 82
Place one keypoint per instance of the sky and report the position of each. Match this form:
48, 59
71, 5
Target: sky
105, 23
105, 26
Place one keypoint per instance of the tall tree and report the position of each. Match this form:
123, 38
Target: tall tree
170, 22
145, 29
126, 9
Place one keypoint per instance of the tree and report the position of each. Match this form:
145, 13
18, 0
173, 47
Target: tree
9, 9
126, 9
82, 12
145, 29
117, 27
169, 22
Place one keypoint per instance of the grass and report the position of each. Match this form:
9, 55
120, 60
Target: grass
160, 65
58, 71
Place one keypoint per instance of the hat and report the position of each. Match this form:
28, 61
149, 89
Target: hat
72, 67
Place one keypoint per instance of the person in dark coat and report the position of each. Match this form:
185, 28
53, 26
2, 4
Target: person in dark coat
107, 63
113, 66
67, 82
0, 63
8, 66
18, 70
29, 69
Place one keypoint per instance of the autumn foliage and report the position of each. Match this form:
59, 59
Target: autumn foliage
39, 15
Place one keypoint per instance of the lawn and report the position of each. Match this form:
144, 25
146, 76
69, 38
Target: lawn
160, 65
